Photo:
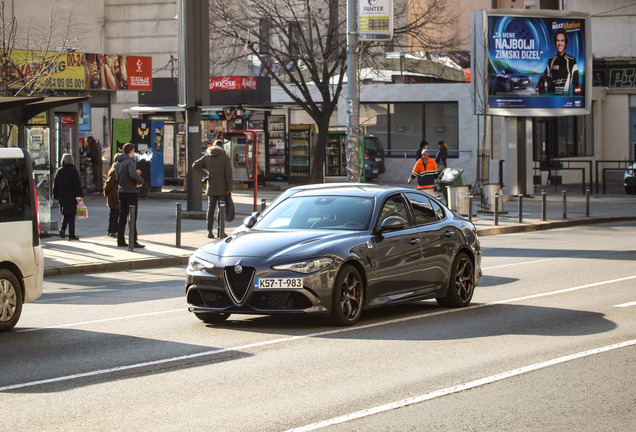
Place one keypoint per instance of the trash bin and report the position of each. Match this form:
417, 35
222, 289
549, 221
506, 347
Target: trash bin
450, 177
458, 199
488, 197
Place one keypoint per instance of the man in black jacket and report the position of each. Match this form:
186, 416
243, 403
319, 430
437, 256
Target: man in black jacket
129, 179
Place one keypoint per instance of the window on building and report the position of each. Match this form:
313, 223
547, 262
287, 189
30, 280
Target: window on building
562, 137
402, 126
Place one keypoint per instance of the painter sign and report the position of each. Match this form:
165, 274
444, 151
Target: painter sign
375, 19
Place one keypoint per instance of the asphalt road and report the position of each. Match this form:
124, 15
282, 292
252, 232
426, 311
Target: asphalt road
549, 343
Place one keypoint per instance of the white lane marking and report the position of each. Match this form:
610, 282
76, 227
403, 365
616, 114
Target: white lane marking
293, 338
99, 320
459, 388
626, 304
517, 263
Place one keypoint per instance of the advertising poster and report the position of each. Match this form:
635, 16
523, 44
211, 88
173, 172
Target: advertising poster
76, 71
536, 63
118, 72
53, 70
122, 134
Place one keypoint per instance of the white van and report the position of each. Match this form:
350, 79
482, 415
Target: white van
21, 257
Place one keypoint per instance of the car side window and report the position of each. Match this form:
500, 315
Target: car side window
394, 206
439, 211
15, 194
422, 208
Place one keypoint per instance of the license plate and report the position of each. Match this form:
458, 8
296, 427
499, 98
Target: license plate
378, 159
271, 283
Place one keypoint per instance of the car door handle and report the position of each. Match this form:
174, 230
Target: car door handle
449, 234
414, 241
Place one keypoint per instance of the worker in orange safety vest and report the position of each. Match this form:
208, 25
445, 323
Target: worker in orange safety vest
425, 170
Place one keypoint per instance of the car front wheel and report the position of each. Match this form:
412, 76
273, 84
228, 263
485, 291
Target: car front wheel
348, 296
462, 283
10, 300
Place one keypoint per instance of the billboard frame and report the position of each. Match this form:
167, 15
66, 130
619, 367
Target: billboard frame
525, 105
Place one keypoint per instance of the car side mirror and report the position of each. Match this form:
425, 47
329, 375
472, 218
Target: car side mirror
250, 221
392, 223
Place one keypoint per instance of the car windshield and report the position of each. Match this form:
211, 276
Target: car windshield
319, 212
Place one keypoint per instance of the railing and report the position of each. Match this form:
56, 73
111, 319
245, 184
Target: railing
408, 153
568, 167
621, 165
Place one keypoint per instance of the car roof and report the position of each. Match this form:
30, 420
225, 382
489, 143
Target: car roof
11, 153
358, 189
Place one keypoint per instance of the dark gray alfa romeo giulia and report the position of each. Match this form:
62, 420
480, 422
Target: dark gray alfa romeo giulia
334, 250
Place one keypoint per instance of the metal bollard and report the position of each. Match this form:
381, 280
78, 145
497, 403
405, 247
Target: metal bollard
221, 231
520, 208
132, 219
178, 230
496, 209
587, 202
565, 205
544, 206
470, 207
263, 205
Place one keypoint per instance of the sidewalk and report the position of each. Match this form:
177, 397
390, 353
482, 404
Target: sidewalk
96, 252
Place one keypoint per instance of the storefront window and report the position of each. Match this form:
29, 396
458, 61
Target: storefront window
563, 137
402, 126
374, 120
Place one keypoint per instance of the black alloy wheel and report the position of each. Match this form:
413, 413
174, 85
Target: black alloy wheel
348, 296
461, 285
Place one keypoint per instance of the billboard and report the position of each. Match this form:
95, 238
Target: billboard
77, 71
532, 63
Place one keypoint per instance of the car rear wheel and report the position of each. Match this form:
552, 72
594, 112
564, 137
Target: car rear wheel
461, 285
348, 296
212, 317
630, 190
10, 300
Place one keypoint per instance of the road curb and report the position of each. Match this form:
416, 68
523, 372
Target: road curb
541, 226
134, 264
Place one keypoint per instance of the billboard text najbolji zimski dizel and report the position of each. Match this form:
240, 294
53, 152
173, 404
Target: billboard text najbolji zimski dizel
536, 65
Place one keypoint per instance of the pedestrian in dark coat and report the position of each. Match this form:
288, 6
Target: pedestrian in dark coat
217, 166
68, 191
130, 180
112, 200
95, 152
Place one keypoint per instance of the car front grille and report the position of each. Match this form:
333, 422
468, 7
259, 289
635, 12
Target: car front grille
279, 301
239, 283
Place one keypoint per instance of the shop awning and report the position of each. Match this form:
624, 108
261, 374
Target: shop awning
153, 109
19, 110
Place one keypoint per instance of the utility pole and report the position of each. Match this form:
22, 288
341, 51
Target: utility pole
353, 97
194, 85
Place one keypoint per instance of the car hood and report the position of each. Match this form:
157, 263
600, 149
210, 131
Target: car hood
275, 244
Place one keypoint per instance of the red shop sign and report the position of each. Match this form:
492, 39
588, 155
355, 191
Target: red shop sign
233, 83
67, 119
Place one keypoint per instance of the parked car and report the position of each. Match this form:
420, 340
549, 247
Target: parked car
334, 250
630, 179
508, 79
21, 257
371, 169
374, 150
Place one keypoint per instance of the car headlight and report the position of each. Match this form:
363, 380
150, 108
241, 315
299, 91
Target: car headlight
306, 266
196, 264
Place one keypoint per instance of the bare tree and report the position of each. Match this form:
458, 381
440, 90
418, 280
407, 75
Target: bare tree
301, 45
26, 62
